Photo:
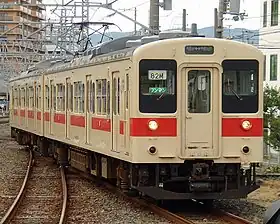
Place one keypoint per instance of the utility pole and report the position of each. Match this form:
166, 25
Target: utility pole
184, 26
215, 22
220, 18
154, 16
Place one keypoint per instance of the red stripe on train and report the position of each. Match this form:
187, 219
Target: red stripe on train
39, 115
47, 116
232, 127
166, 127
78, 121
22, 113
30, 114
101, 124
59, 118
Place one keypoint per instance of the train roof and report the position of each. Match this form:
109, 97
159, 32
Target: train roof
113, 50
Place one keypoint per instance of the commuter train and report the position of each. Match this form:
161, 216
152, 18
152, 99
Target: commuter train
166, 117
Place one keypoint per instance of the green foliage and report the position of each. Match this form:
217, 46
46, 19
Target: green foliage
272, 116
273, 169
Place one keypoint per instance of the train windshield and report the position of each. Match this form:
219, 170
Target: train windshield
240, 86
158, 85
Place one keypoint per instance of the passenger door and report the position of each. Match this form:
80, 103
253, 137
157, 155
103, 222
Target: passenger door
202, 113
116, 100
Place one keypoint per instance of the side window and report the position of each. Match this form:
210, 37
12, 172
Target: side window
79, 96
72, 98
199, 91
101, 96
27, 97
60, 97
127, 91
31, 97
69, 96
118, 95
39, 98
82, 98
47, 97
114, 90
92, 97
108, 98
54, 97
89, 87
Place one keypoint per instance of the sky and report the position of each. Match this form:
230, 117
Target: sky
199, 11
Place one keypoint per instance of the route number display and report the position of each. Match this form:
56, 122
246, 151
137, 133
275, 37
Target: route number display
157, 74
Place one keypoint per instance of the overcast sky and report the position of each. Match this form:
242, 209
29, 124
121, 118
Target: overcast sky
199, 11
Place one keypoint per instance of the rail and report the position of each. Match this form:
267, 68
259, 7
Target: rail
64, 189
226, 216
11, 211
171, 216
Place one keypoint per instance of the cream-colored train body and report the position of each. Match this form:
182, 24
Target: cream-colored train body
175, 119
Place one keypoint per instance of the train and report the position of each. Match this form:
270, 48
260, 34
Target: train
171, 117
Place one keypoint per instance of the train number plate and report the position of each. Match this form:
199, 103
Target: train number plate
157, 74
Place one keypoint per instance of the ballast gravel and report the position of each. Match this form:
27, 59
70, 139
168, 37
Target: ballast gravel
13, 165
89, 203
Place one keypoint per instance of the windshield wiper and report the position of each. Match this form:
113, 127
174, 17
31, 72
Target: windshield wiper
164, 92
237, 96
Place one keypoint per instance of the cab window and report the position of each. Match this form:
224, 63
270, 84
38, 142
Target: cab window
158, 86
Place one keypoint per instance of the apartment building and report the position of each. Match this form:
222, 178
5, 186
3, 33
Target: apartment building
15, 20
20, 32
269, 40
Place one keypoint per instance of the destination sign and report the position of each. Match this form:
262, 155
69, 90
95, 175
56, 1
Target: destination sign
157, 90
192, 49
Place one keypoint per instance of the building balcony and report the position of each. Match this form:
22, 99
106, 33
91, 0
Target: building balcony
39, 15
12, 21
39, 3
6, 18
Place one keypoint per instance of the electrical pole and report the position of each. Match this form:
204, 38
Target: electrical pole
184, 26
220, 16
215, 22
154, 16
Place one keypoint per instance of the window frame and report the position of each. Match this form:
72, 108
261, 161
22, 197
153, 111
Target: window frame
274, 12
273, 67
168, 104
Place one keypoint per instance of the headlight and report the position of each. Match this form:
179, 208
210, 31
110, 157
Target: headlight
153, 125
246, 125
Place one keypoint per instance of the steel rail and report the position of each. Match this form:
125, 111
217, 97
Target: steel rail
64, 189
11, 211
231, 217
173, 217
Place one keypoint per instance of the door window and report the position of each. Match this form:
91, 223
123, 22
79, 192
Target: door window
199, 91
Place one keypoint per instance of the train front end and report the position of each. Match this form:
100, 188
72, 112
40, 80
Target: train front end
197, 132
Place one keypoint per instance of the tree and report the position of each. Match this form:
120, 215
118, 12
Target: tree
272, 116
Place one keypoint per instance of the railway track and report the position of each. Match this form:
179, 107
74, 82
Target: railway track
4, 119
42, 197
193, 216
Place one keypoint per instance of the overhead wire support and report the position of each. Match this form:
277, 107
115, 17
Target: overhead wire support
67, 34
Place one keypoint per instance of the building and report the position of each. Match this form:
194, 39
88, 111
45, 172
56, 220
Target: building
269, 40
20, 30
